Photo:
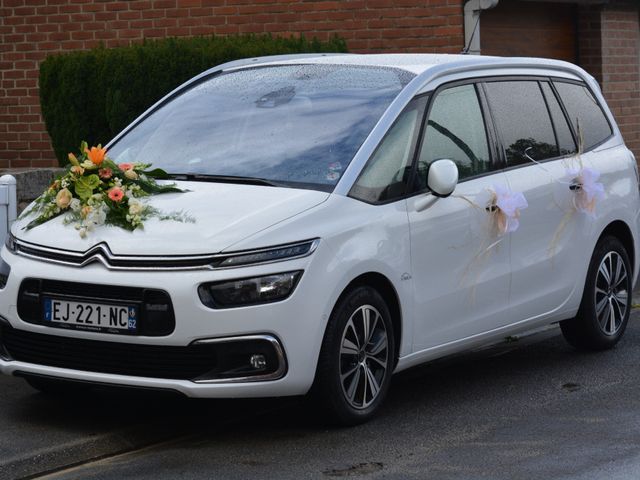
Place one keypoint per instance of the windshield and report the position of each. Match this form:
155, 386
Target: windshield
295, 125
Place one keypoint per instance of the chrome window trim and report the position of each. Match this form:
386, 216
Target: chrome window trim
102, 253
279, 373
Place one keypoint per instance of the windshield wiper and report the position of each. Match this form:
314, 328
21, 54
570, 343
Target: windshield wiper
203, 177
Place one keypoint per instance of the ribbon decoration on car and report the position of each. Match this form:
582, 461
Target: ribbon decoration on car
505, 207
587, 190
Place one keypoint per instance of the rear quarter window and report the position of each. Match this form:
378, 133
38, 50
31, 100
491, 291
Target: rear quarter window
583, 108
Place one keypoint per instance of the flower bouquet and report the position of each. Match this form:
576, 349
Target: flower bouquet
96, 191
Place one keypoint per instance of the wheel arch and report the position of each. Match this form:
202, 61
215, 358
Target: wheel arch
622, 232
385, 288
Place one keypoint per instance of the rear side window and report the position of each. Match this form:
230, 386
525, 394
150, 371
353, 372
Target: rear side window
522, 120
582, 107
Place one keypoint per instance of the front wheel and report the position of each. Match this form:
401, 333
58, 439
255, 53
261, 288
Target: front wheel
606, 301
357, 358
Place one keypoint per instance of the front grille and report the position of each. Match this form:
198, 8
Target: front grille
193, 362
156, 316
74, 289
101, 253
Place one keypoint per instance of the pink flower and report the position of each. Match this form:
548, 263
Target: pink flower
116, 194
125, 166
105, 173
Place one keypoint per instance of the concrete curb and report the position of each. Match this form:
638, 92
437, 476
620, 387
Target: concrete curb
41, 462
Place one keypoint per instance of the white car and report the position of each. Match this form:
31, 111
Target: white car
355, 215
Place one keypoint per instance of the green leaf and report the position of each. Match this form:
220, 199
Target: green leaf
39, 221
156, 173
155, 189
108, 163
85, 185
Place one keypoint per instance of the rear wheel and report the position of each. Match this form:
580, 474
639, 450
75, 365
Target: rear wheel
606, 301
356, 359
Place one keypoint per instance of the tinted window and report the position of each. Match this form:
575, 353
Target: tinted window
563, 133
455, 130
522, 120
298, 125
386, 174
582, 107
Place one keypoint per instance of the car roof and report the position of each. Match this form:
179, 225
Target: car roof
417, 63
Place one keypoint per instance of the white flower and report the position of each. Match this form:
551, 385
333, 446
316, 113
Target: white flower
135, 207
97, 217
89, 165
75, 205
131, 174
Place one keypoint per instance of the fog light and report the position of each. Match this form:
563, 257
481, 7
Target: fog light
258, 361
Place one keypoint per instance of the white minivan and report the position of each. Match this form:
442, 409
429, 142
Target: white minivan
354, 215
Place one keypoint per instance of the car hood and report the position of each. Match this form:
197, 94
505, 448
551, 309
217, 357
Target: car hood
222, 213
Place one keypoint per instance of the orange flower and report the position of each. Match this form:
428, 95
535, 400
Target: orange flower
96, 154
116, 194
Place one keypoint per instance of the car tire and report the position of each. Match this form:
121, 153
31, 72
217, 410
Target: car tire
606, 300
58, 388
357, 358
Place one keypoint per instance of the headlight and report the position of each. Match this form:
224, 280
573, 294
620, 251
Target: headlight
5, 270
249, 291
275, 254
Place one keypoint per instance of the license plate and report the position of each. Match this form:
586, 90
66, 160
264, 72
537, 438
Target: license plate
91, 316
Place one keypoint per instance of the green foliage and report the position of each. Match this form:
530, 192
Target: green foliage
86, 185
95, 94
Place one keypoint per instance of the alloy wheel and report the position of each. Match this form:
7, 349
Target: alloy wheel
611, 293
364, 356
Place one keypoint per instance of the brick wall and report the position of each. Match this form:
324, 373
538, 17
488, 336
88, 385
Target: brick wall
590, 40
32, 29
620, 25
609, 49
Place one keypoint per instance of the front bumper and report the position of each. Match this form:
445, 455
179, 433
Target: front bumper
294, 327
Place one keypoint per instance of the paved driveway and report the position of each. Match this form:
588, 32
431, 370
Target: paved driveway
533, 408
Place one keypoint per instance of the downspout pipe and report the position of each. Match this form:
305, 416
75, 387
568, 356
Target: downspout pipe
472, 11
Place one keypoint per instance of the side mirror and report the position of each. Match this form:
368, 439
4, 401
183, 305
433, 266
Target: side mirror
442, 177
